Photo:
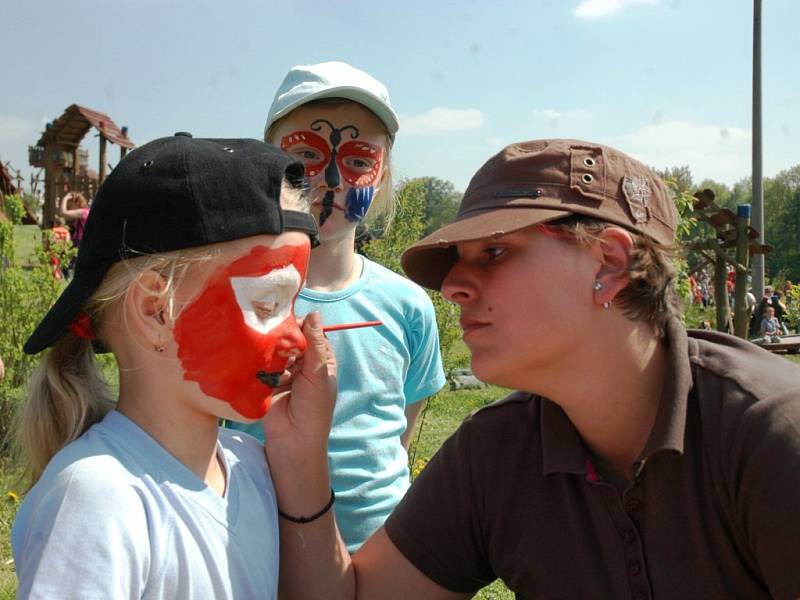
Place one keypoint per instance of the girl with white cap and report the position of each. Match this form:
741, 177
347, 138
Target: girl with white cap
339, 122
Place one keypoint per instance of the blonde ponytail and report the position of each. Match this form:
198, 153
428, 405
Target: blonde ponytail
67, 394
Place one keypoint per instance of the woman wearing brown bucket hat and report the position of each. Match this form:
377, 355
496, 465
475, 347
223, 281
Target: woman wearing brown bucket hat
638, 460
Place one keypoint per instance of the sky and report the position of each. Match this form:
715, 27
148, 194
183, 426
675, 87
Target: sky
666, 81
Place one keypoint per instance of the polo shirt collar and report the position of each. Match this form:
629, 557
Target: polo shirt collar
562, 448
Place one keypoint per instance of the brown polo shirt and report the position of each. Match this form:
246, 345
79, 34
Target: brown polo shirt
714, 510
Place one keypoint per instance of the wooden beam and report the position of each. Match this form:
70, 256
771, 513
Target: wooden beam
101, 172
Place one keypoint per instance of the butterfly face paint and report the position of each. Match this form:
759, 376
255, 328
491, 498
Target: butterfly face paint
236, 337
353, 166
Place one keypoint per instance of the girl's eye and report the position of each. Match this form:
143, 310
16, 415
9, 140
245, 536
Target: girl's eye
361, 164
306, 154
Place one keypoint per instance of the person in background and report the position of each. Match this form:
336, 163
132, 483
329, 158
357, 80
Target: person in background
339, 122
61, 238
75, 207
636, 460
194, 297
770, 327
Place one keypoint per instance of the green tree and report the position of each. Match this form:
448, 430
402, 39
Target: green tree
782, 223
723, 196
407, 227
441, 203
26, 294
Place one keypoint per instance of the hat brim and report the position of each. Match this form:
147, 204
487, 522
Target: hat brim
56, 322
428, 261
356, 94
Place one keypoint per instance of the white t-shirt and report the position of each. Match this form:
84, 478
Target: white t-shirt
115, 515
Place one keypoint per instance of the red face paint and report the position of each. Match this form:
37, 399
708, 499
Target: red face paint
355, 170
316, 155
242, 324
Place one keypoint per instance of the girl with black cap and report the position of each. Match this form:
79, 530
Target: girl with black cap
192, 256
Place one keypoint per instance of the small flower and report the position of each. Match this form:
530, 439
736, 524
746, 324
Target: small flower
12, 497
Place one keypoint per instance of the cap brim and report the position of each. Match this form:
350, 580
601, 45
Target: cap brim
356, 94
428, 261
56, 322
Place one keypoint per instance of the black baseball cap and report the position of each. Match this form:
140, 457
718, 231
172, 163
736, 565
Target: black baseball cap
174, 193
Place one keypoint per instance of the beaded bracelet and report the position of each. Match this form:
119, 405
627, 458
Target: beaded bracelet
313, 517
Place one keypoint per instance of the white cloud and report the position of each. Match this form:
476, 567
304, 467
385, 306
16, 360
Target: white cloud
555, 117
495, 142
597, 9
718, 152
438, 120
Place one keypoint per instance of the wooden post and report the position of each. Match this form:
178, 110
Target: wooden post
723, 310
74, 183
50, 194
101, 172
122, 152
741, 321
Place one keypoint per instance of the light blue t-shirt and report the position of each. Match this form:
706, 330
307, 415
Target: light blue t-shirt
381, 371
115, 515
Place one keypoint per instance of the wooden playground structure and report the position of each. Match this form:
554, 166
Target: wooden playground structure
65, 164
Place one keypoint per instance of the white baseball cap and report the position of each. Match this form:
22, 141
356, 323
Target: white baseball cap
334, 79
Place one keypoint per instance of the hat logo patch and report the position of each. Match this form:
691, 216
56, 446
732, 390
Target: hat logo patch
637, 192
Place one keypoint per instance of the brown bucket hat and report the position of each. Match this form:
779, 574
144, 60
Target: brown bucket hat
542, 180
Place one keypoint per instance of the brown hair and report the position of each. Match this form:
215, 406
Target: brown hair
651, 295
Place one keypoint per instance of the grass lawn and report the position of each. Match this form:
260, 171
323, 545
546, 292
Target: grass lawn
28, 238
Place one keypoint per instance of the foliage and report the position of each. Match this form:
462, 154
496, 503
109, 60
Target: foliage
792, 314
407, 228
782, 223
441, 203
9, 501
25, 296
678, 180
14, 208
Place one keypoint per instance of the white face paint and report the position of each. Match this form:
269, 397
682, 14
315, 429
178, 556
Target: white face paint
266, 301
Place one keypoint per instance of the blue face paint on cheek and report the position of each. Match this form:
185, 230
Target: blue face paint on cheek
357, 203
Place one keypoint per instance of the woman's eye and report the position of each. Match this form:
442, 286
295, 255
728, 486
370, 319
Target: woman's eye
493, 252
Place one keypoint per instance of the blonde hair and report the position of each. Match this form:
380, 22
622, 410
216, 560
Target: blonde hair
383, 204
77, 200
67, 392
651, 295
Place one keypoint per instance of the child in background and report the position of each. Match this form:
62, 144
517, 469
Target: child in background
194, 252
770, 327
339, 122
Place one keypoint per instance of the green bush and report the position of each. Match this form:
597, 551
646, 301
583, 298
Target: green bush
25, 296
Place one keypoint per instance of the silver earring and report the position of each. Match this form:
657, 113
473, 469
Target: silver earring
597, 286
159, 347
606, 304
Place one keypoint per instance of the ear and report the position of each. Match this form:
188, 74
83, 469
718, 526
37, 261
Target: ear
613, 250
145, 312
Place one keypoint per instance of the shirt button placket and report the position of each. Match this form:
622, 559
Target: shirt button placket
632, 508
